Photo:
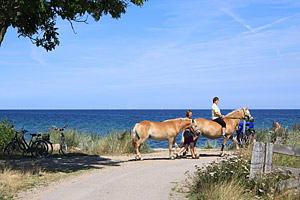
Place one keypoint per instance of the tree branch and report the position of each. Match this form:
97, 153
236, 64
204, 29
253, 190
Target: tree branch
3, 29
72, 26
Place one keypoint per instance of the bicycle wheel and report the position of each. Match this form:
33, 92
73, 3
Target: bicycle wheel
13, 150
8, 151
63, 147
39, 149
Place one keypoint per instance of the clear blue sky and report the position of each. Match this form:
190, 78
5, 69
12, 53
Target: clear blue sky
167, 54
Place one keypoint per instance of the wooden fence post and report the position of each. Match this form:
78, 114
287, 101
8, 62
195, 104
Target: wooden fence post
269, 157
257, 159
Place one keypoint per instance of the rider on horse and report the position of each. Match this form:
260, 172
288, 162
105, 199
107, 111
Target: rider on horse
217, 116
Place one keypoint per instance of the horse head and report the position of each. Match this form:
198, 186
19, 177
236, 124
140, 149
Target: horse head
194, 127
247, 115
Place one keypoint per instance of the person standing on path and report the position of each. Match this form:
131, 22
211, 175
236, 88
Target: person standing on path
217, 116
188, 138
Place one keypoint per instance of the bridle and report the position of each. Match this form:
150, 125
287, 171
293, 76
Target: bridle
195, 127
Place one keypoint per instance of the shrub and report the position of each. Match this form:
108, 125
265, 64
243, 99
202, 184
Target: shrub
6, 133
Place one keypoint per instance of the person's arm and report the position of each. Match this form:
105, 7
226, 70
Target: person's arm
219, 114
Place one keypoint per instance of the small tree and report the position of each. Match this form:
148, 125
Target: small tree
36, 19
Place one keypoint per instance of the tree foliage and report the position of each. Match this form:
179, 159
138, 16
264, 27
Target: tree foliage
36, 19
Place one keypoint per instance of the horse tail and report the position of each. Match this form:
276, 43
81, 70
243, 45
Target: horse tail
134, 134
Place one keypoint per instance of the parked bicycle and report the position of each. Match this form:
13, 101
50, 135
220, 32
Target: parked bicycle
244, 138
18, 147
62, 141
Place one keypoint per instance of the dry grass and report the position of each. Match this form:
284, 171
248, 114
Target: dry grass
228, 191
13, 181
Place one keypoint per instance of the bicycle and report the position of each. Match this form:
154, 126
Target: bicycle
244, 138
62, 141
18, 147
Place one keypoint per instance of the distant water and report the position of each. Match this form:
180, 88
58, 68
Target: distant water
103, 121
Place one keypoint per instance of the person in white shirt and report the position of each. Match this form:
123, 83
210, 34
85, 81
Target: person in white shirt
217, 116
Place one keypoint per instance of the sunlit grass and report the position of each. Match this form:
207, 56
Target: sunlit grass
114, 142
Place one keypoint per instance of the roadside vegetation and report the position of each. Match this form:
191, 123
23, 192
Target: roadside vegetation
289, 138
14, 180
6, 132
229, 178
17, 176
112, 143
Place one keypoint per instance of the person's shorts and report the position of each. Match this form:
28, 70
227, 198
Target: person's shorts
188, 137
220, 121
188, 140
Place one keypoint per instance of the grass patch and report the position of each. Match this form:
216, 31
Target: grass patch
229, 179
113, 143
13, 181
211, 144
289, 138
285, 160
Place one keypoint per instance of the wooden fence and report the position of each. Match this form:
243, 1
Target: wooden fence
261, 161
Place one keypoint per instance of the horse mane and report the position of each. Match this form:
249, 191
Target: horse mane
233, 112
174, 119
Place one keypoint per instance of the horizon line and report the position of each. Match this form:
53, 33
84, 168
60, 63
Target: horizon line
142, 108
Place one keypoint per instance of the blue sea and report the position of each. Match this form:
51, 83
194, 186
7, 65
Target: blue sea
103, 121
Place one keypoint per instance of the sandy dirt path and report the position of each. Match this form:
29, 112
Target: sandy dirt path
152, 178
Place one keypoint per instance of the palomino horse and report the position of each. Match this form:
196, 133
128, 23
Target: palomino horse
213, 130
167, 130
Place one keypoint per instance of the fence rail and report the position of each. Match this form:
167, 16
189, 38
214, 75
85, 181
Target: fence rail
262, 158
286, 150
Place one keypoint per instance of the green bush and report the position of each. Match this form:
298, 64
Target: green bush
6, 133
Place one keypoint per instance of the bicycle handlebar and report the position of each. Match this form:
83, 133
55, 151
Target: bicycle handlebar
23, 131
59, 129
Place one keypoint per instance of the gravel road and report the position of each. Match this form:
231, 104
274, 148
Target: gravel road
152, 178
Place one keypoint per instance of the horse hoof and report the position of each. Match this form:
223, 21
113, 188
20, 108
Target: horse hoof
173, 157
137, 158
222, 154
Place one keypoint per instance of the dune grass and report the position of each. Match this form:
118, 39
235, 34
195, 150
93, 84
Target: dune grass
229, 179
112, 143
